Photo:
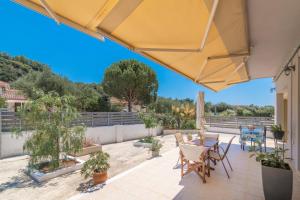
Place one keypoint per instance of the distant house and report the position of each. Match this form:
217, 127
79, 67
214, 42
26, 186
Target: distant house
13, 98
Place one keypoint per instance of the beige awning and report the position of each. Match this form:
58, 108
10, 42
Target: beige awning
204, 40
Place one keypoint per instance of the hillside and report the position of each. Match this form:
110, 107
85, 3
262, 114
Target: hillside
12, 68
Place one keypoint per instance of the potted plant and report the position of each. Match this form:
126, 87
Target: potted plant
96, 166
277, 175
150, 121
277, 131
155, 147
53, 135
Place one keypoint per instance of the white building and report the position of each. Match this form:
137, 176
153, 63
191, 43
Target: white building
13, 98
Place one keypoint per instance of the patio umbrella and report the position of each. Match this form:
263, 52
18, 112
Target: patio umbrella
204, 40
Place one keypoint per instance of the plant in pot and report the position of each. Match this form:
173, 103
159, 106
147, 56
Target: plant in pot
190, 137
156, 145
96, 166
277, 131
277, 175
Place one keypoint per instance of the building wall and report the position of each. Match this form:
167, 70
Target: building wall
11, 145
287, 89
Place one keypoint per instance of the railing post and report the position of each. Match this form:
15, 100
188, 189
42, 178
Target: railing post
122, 120
108, 119
92, 116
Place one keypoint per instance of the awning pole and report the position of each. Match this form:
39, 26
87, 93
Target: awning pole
50, 11
209, 23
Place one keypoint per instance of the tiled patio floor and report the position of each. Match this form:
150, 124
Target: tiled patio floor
159, 178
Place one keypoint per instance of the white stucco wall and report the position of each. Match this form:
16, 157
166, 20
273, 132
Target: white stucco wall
287, 87
11, 145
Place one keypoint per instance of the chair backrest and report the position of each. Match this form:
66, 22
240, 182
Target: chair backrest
192, 152
227, 147
179, 138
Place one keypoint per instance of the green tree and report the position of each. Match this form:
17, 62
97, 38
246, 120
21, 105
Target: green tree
2, 103
132, 81
51, 118
12, 68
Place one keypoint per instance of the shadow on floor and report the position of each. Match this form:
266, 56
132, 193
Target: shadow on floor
19, 181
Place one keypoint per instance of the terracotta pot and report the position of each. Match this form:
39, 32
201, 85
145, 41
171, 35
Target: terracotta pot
99, 177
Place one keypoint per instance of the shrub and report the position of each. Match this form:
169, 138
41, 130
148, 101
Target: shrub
98, 162
189, 124
53, 135
147, 139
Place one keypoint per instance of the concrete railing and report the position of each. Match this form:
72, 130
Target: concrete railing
10, 145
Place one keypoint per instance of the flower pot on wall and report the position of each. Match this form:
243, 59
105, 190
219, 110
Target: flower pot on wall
99, 177
277, 183
278, 135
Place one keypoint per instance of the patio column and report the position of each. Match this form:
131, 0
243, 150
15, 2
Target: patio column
279, 109
200, 120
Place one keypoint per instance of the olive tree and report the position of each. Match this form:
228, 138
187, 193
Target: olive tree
132, 81
50, 117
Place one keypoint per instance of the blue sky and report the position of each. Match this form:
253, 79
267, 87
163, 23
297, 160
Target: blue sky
82, 58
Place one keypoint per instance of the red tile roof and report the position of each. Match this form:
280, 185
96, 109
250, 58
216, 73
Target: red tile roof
11, 94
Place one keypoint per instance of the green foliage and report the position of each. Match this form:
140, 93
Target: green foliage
2, 103
156, 145
228, 112
132, 81
51, 117
29, 76
271, 159
98, 162
12, 68
149, 119
224, 109
188, 124
147, 139
164, 105
168, 121
89, 97
276, 128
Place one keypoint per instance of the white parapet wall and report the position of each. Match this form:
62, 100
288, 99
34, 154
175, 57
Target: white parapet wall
10, 145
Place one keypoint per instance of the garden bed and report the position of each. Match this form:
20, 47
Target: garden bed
43, 173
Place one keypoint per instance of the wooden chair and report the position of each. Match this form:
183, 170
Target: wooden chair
195, 157
179, 139
220, 156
